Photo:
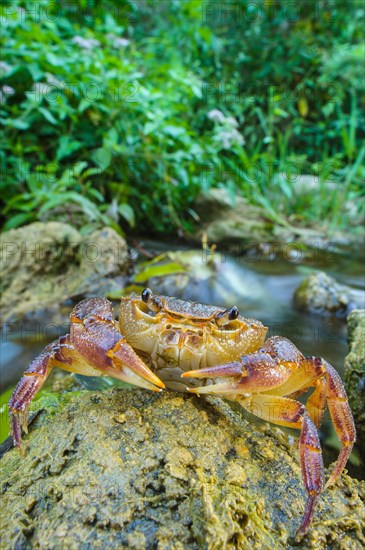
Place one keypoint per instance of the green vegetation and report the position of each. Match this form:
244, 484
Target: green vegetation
121, 112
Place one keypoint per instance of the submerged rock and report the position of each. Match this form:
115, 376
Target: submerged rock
320, 293
135, 469
44, 265
355, 372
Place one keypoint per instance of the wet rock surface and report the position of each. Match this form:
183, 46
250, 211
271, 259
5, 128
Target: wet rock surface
135, 469
355, 372
47, 264
320, 293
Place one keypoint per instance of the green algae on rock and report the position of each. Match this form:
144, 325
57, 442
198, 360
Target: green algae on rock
135, 469
355, 372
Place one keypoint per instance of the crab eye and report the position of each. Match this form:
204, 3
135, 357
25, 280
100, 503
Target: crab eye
146, 295
152, 301
225, 317
233, 313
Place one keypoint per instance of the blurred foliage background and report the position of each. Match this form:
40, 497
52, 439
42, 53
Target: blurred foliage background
121, 112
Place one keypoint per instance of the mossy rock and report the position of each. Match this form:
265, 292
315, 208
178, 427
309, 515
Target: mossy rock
320, 293
240, 227
355, 372
230, 224
47, 264
135, 469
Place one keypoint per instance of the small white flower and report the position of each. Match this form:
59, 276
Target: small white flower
216, 114
51, 79
86, 43
122, 42
4, 67
117, 41
8, 90
228, 137
40, 88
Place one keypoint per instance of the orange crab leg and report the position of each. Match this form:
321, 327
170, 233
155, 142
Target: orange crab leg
312, 470
267, 368
329, 389
94, 347
316, 404
97, 338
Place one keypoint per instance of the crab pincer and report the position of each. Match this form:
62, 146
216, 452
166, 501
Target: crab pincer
94, 347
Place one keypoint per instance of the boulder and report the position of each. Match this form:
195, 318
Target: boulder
45, 265
355, 372
136, 469
226, 223
239, 226
320, 293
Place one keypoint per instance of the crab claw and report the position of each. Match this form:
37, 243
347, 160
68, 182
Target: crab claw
97, 339
131, 368
235, 369
254, 372
234, 372
225, 388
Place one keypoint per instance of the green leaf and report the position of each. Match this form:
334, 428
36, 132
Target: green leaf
280, 112
174, 131
102, 157
79, 167
83, 105
66, 147
127, 212
4, 415
159, 271
18, 220
89, 208
18, 123
150, 127
48, 115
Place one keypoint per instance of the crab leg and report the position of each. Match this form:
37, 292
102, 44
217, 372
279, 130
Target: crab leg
278, 368
316, 404
253, 372
329, 389
32, 380
94, 347
341, 417
288, 412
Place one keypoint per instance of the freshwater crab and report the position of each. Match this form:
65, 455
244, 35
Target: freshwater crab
179, 339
